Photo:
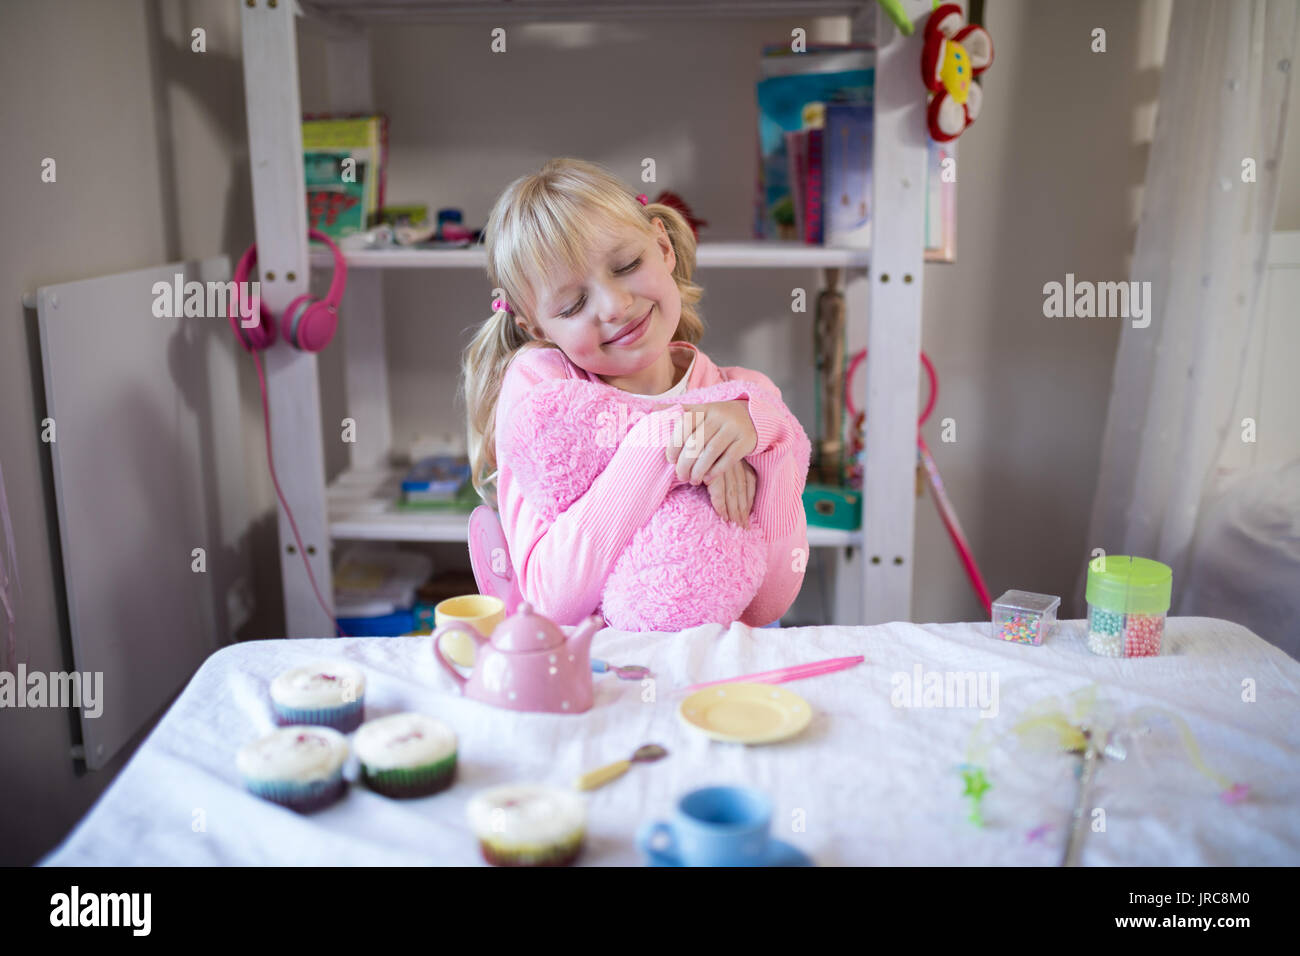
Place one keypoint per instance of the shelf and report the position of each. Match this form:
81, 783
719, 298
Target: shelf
362, 505
361, 508
833, 538
754, 254
442, 11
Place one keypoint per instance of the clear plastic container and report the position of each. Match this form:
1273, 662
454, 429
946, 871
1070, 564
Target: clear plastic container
1128, 599
1024, 617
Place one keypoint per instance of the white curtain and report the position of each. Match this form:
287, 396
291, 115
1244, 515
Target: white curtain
1201, 243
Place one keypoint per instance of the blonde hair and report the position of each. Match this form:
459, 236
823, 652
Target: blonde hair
543, 224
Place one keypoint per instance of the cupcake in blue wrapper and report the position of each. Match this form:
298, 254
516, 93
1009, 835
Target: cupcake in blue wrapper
329, 694
406, 755
300, 767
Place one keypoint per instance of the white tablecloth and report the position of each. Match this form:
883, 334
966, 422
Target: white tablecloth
867, 782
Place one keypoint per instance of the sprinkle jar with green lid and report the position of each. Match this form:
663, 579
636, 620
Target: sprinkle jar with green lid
1128, 599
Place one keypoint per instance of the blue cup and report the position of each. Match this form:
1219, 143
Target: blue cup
715, 826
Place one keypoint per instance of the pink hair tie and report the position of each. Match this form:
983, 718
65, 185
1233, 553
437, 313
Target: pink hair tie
642, 199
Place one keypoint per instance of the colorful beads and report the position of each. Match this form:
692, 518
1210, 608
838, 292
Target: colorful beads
1024, 617
1114, 634
1022, 628
1142, 634
1105, 632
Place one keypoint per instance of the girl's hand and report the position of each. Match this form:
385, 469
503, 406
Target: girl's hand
711, 439
732, 493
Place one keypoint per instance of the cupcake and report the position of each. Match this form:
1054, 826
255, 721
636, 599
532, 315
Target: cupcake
330, 693
300, 767
406, 755
523, 825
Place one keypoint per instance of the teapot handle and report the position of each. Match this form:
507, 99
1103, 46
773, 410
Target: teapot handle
479, 641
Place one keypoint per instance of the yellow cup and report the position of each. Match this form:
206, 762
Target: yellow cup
480, 611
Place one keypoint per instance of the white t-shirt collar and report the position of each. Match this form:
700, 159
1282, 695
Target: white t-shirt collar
680, 386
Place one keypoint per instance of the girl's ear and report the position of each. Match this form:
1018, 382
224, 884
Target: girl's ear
665, 244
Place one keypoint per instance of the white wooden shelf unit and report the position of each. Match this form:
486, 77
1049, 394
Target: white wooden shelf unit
872, 567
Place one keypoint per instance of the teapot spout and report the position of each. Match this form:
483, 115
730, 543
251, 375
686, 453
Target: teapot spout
580, 642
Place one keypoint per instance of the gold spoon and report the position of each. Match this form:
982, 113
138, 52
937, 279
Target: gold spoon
598, 778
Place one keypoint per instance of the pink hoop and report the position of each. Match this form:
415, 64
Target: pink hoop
853, 367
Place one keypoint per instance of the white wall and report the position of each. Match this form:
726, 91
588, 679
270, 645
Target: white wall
150, 143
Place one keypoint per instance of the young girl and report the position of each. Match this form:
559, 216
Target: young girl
598, 288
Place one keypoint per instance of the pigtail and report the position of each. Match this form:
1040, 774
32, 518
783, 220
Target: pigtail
483, 368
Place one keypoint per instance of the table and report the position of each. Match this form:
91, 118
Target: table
868, 782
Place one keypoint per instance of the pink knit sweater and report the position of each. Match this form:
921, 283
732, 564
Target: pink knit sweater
562, 563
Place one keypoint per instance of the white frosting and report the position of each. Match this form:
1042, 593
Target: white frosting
403, 740
526, 814
299, 753
324, 684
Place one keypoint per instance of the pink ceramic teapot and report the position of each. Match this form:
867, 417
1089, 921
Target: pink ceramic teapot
528, 664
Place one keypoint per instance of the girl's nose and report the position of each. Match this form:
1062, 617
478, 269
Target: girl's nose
617, 308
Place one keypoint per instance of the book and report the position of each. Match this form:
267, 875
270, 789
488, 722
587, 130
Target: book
847, 161
790, 92
463, 502
376, 579
941, 204
814, 187
345, 164
436, 478
796, 151
802, 168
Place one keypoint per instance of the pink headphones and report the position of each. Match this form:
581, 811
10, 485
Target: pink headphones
308, 322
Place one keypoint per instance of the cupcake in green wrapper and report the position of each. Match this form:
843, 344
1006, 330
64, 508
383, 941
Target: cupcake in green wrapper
406, 755
528, 825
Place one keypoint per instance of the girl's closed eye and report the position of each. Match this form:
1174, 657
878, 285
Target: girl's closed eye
578, 305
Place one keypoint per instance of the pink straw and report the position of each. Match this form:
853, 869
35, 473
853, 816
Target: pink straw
797, 672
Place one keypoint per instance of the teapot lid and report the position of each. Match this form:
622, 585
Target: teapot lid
525, 631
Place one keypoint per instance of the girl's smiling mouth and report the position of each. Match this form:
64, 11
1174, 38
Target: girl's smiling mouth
633, 332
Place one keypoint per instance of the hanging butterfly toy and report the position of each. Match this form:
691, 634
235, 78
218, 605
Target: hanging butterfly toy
1087, 727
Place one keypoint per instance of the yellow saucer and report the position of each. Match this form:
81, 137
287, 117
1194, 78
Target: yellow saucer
746, 713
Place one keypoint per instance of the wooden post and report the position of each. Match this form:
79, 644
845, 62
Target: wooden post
894, 326
280, 218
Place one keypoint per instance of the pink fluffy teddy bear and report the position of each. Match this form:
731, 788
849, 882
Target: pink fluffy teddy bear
687, 565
